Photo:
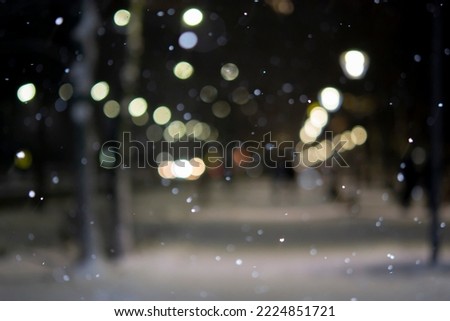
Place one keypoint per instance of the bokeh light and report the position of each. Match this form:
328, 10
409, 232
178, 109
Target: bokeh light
137, 107
111, 109
202, 131
23, 159
26, 92
141, 120
229, 71
122, 17
162, 115
165, 170
188, 40
154, 132
208, 94
346, 140
100, 90
240, 96
65, 91
354, 64
175, 131
221, 109
192, 17
358, 135
198, 168
183, 70
181, 168
330, 98
312, 130
304, 137
318, 116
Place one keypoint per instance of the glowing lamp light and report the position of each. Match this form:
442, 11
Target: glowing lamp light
358, 135
182, 168
141, 120
330, 98
183, 70
26, 92
162, 115
305, 137
174, 131
198, 168
346, 141
318, 116
221, 109
100, 90
65, 91
111, 109
354, 63
23, 159
229, 71
137, 107
122, 17
311, 130
165, 170
192, 17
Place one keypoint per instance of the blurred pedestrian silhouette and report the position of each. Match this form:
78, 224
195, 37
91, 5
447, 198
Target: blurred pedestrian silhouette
284, 184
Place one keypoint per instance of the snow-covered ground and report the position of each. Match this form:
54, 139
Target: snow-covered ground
235, 242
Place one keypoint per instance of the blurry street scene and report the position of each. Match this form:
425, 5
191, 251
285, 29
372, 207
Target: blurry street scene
209, 150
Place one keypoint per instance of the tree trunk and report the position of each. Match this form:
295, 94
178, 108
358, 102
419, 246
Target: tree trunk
435, 123
122, 236
82, 73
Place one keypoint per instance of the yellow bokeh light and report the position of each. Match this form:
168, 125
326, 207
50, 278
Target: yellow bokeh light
312, 130
324, 150
285, 7
318, 116
137, 107
122, 17
111, 109
221, 109
141, 120
65, 91
240, 96
162, 115
165, 170
26, 92
346, 140
154, 132
202, 131
175, 131
100, 90
164, 157
23, 159
311, 156
192, 17
229, 71
190, 125
358, 135
208, 94
305, 138
183, 70
198, 166
213, 134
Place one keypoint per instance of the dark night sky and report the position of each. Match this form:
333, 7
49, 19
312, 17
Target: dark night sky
271, 49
